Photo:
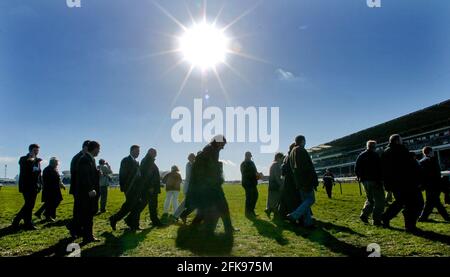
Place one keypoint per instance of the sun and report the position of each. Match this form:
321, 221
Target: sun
204, 46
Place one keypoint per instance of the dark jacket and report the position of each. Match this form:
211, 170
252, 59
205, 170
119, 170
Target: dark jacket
30, 174
400, 170
305, 175
150, 178
51, 190
368, 166
290, 195
73, 172
206, 179
275, 180
128, 170
88, 179
249, 174
431, 173
328, 179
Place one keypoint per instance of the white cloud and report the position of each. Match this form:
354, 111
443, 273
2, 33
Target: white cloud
284, 75
8, 160
228, 162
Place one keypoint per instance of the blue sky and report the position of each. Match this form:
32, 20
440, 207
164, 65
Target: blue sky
332, 67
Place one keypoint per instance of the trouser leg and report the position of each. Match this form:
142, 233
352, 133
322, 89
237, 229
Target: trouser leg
76, 223
370, 203
254, 198
26, 211
379, 201
167, 201
103, 198
248, 200
153, 208
175, 200
393, 209
180, 209
329, 189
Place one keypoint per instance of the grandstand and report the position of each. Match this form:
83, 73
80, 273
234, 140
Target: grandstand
429, 126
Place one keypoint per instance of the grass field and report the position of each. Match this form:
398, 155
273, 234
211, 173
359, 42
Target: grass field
339, 232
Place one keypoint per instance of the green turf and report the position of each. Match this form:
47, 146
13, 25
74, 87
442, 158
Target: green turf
339, 232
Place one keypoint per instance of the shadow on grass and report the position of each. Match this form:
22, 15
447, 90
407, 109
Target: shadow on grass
58, 223
430, 235
198, 242
269, 230
113, 246
57, 250
116, 246
7, 231
321, 236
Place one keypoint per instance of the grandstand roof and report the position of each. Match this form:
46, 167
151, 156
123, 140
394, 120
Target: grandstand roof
428, 119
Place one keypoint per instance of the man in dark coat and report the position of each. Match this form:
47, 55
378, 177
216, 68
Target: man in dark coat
431, 174
151, 186
129, 178
75, 224
305, 179
88, 186
328, 182
205, 191
290, 196
128, 169
29, 186
51, 192
368, 171
401, 174
249, 182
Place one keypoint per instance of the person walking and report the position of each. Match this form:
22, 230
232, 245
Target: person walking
29, 185
305, 179
182, 212
105, 179
88, 186
368, 172
74, 226
328, 182
401, 175
51, 191
151, 183
130, 185
249, 183
172, 180
290, 196
432, 180
275, 185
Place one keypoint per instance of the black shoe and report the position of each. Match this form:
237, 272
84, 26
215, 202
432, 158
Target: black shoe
15, 226
90, 239
412, 230
377, 223
423, 219
386, 224
113, 223
364, 219
38, 215
30, 227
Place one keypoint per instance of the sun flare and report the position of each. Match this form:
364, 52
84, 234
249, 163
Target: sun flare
204, 46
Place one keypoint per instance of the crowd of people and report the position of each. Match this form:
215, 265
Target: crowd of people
293, 182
